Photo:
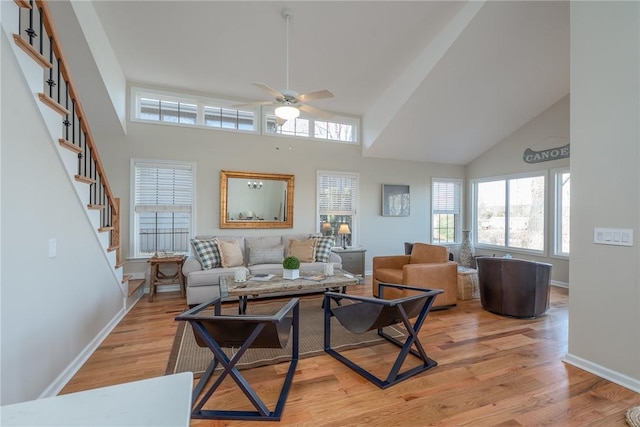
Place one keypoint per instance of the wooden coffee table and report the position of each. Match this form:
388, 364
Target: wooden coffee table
228, 287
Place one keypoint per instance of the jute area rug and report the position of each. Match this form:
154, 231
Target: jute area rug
633, 416
187, 356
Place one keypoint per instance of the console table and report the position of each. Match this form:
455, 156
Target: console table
157, 277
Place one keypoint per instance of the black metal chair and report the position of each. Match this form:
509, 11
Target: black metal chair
216, 330
369, 313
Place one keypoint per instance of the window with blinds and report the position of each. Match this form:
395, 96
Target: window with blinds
337, 199
162, 207
445, 209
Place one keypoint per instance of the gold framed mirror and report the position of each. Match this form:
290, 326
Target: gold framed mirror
256, 200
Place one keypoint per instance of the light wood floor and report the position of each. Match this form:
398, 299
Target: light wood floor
492, 371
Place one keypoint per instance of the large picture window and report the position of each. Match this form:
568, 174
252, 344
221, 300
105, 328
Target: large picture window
337, 198
510, 212
445, 210
162, 207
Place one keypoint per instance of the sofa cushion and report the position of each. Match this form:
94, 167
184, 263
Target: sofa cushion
272, 255
304, 250
323, 248
230, 253
260, 242
207, 253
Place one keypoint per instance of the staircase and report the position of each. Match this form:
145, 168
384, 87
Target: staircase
62, 111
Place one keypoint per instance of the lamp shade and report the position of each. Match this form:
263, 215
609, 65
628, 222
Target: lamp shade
344, 229
326, 226
287, 112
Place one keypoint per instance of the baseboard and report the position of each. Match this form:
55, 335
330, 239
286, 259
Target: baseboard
65, 376
560, 284
626, 381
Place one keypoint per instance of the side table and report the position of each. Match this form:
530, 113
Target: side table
157, 277
352, 259
468, 283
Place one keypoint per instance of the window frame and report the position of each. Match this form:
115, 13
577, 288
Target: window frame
134, 250
268, 113
458, 221
137, 93
557, 213
355, 204
506, 178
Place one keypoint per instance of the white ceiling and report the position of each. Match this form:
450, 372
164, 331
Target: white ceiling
509, 63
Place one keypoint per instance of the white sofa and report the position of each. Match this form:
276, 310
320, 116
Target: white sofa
204, 285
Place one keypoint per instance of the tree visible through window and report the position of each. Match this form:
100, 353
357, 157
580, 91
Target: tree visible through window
563, 210
510, 212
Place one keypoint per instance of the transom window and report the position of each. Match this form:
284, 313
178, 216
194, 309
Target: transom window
340, 129
163, 107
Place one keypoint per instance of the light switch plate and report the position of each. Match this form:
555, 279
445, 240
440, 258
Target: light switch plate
613, 236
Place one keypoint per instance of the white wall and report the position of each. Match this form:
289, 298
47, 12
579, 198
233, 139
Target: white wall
550, 127
213, 150
52, 308
604, 308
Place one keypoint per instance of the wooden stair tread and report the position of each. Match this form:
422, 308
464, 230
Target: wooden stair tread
46, 99
105, 229
96, 207
134, 285
126, 277
85, 179
69, 145
32, 51
23, 4
113, 248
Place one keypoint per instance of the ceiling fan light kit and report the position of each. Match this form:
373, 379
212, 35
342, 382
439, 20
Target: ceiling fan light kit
287, 112
289, 102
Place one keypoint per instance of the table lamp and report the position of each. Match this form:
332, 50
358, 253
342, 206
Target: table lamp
326, 229
344, 229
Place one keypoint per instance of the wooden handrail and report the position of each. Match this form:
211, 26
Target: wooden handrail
59, 53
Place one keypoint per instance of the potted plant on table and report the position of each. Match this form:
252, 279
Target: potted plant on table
291, 268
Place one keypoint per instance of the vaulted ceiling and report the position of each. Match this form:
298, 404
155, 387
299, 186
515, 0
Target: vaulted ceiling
433, 81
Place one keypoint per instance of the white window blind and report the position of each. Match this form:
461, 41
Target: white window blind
163, 204
446, 197
337, 194
337, 200
163, 187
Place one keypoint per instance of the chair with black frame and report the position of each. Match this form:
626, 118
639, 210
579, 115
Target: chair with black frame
216, 331
369, 313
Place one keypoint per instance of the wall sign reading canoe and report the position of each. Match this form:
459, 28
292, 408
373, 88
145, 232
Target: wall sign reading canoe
548, 154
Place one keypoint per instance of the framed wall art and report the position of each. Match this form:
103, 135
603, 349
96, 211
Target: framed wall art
395, 200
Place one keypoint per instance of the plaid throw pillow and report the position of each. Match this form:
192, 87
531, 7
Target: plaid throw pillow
207, 253
323, 248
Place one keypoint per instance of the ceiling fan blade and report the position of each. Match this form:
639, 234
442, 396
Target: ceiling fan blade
319, 94
280, 121
252, 104
316, 112
271, 91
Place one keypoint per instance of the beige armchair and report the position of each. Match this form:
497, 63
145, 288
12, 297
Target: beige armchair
428, 266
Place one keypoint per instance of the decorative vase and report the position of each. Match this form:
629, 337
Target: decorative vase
466, 250
290, 274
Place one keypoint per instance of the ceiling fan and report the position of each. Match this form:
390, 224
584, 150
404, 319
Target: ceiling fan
289, 102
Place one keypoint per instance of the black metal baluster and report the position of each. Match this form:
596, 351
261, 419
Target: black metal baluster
73, 121
50, 81
30, 31
41, 32
58, 80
